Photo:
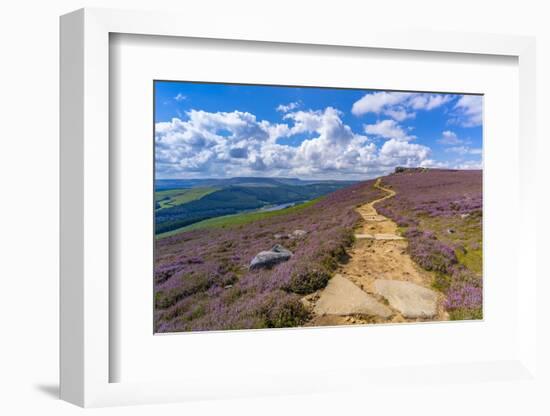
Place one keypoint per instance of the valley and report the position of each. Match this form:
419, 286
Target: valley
178, 208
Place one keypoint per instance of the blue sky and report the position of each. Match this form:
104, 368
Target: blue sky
223, 130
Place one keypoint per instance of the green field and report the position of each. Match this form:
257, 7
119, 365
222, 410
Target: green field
466, 233
238, 219
174, 197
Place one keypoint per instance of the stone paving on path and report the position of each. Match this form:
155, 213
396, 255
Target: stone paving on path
342, 297
380, 279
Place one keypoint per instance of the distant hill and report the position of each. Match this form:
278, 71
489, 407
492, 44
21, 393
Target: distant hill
218, 197
168, 184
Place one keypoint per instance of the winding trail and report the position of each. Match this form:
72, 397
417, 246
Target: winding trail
380, 282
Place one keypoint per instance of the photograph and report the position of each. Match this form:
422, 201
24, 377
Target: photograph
281, 206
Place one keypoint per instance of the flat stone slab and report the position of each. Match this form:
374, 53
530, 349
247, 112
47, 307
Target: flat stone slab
374, 218
342, 297
387, 237
364, 236
378, 237
413, 301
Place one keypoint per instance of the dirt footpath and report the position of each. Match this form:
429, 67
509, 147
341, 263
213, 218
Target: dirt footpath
395, 288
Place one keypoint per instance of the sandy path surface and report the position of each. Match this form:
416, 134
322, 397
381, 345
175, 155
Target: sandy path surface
380, 266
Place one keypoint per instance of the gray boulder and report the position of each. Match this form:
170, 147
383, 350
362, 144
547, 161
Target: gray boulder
266, 259
299, 233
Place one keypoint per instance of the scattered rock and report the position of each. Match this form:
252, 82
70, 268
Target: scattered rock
464, 216
270, 258
403, 169
294, 234
277, 248
413, 301
451, 231
280, 236
342, 297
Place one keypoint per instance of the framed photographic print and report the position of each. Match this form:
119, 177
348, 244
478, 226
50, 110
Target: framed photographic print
287, 213
289, 206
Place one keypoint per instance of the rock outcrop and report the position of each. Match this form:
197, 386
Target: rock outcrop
269, 258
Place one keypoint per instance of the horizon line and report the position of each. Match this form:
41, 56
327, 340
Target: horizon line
313, 179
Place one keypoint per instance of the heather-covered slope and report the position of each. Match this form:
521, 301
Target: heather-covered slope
202, 280
440, 213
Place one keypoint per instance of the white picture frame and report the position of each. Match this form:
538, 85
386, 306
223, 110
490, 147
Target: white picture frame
85, 211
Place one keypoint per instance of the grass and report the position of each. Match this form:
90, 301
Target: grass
466, 233
173, 197
465, 314
472, 259
238, 219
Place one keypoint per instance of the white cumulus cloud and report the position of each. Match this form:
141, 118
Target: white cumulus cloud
398, 105
469, 165
223, 144
180, 97
378, 101
399, 113
396, 152
285, 108
449, 138
428, 101
468, 111
387, 129
464, 150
